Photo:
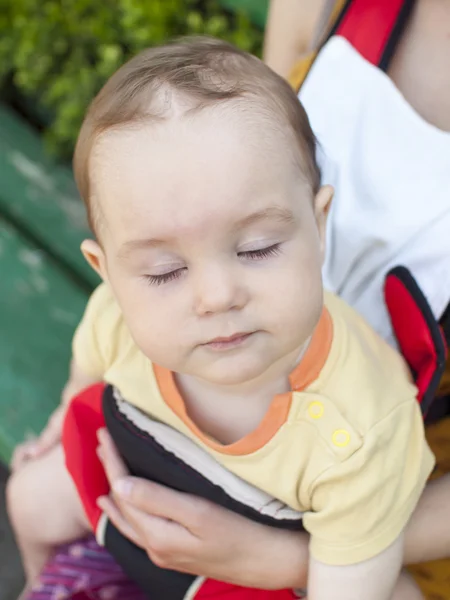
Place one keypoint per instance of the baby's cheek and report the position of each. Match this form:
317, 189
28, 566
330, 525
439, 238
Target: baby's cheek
295, 302
154, 333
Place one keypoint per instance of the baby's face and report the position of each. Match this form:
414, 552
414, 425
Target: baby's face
211, 243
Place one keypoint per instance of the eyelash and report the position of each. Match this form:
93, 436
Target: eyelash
164, 278
261, 253
249, 254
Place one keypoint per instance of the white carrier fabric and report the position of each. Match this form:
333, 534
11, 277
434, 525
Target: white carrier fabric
391, 172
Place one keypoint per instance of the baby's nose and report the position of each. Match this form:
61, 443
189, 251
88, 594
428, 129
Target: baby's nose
218, 291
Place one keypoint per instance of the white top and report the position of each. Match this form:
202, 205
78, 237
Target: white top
391, 172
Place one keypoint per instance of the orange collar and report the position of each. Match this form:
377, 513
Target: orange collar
301, 377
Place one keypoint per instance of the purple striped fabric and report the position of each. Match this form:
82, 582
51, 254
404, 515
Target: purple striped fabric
84, 571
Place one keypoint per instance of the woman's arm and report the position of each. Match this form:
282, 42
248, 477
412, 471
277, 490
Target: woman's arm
290, 31
186, 533
211, 541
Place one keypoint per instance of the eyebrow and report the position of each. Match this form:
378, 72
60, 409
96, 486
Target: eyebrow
277, 213
128, 247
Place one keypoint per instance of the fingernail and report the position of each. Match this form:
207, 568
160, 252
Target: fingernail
100, 453
122, 487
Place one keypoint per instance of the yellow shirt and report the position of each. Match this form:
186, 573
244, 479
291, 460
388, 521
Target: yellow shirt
346, 447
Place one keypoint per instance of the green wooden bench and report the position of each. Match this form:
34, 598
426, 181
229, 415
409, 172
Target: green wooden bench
45, 281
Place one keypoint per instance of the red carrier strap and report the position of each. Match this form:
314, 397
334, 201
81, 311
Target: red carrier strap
84, 418
373, 27
419, 336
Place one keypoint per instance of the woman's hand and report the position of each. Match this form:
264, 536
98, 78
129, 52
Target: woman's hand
48, 439
52, 432
185, 533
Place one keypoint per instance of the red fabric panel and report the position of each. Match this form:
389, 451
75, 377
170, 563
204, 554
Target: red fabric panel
368, 25
217, 590
412, 332
83, 419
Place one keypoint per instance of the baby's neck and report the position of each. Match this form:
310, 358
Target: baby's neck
229, 413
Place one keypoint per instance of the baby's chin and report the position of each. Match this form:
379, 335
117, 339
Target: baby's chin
232, 372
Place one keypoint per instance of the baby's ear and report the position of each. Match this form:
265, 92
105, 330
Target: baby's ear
322, 204
95, 256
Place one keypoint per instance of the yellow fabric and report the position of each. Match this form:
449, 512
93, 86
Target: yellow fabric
300, 70
351, 455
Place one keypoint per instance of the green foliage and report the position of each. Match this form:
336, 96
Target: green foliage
62, 51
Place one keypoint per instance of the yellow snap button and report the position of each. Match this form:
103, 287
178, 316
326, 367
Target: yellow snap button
315, 410
341, 438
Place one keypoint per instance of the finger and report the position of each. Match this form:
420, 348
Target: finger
115, 470
22, 454
117, 519
51, 435
158, 536
19, 457
114, 466
160, 501
164, 541
49, 438
154, 519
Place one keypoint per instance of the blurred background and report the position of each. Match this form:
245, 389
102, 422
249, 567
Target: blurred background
55, 55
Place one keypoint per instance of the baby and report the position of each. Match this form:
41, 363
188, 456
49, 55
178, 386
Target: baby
197, 166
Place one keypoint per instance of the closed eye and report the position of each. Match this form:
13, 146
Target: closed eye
164, 277
261, 253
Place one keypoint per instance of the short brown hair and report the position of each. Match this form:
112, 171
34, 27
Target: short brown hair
205, 70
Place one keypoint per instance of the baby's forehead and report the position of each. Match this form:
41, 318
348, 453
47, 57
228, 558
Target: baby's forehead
207, 161
256, 137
